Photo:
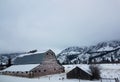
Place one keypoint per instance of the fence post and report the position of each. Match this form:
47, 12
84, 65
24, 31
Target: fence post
79, 79
117, 79
101, 79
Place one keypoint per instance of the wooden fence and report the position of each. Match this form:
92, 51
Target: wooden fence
110, 80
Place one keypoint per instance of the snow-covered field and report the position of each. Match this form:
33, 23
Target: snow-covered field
107, 71
49, 78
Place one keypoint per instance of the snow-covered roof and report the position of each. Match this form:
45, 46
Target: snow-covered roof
35, 58
38, 52
30, 58
81, 66
86, 69
22, 68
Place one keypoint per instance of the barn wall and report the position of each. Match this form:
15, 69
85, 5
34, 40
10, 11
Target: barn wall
47, 69
48, 66
73, 73
84, 75
13, 73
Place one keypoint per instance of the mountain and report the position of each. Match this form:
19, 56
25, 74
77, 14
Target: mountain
4, 57
103, 52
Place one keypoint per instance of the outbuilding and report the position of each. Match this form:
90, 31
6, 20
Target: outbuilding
79, 73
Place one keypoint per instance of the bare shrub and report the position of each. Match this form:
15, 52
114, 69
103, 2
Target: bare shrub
95, 71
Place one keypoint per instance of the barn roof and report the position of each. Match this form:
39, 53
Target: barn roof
85, 68
35, 58
22, 68
31, 58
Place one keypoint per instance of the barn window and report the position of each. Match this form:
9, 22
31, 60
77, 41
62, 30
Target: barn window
51, 54
44, 70
26, 71
17, 72
13, 72
21, 72
54, 69
39, 71
35, 71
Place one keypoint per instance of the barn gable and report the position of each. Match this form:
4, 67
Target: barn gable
79, 73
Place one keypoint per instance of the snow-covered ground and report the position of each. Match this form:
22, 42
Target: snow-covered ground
48, 78
107, 71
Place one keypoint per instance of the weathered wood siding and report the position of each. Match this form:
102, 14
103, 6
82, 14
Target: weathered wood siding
78, 73
13, 73
48, 66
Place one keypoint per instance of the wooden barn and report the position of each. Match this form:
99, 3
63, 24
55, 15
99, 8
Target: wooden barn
35, 65
79, 73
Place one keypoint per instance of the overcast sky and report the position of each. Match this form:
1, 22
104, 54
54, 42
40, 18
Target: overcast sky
57, 24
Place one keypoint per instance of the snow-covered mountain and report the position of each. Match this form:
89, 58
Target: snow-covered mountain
4, 57
103, 52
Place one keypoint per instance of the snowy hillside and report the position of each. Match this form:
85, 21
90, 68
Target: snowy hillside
103, 52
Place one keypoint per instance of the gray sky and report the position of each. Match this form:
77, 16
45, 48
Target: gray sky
57, 24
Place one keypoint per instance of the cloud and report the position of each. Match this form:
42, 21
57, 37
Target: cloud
57, 24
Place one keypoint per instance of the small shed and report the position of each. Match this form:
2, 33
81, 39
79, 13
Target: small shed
79, 73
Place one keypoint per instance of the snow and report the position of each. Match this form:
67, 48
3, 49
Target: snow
3, 63
27, 54
110, 66
74, 52
107, 71
48, 78
22, 55
23, 68
107, 48
62, 59
84, 67
71, 53
110, 70
39, 51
